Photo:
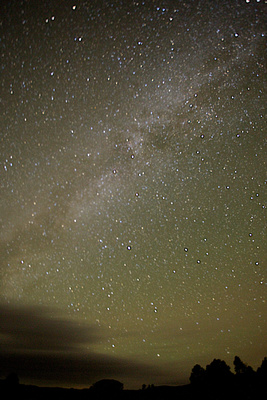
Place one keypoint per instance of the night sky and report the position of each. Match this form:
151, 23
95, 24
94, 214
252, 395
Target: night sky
133, 197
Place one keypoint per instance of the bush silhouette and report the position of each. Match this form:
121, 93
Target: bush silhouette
109, 386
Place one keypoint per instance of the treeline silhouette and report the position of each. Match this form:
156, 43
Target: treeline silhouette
218, 382
215, 382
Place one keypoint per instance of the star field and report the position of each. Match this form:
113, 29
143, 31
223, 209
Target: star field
133, 177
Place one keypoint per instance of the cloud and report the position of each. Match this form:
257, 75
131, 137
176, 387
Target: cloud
53, 351
33, 329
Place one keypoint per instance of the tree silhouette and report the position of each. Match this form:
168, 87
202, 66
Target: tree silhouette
262, 377
241, 368
218, 371
262, 370
218, 382
198, 375
144, 386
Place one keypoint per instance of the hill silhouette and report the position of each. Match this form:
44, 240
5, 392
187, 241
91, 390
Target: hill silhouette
215, 382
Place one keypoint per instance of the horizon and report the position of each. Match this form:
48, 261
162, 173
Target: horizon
142, 387
133, 188
26, 353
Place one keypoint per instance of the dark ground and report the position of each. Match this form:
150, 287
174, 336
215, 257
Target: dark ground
187, 392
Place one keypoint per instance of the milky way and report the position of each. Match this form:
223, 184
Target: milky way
133, 183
